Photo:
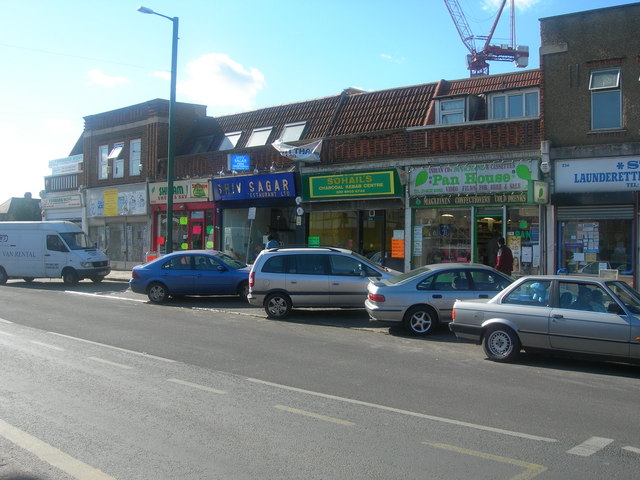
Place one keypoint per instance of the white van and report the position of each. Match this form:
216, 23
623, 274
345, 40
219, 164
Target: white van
31, 250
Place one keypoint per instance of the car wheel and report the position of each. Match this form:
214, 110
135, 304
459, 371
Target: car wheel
243, 290
501, 344
277, 305
3, 276
28, 279
420, 320
70, 277
157, 292
97, 279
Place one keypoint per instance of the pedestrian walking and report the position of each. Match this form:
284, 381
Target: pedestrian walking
504, 258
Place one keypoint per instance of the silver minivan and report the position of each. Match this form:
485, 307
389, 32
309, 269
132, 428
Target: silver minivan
285, 278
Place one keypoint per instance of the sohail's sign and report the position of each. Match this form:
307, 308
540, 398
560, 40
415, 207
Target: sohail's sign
378, 183
473, 178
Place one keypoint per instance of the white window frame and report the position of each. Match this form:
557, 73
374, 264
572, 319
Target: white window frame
229, 141
598, 92
103, 162
259, 136
443, 113
511, 95
292, 131
135, 157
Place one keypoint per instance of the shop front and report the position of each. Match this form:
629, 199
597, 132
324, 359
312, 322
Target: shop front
254, 207
193, 216
117, 223
459, 212
62, 206
362, 211
596, 203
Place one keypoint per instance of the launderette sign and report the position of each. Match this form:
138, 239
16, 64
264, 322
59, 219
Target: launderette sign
381, 183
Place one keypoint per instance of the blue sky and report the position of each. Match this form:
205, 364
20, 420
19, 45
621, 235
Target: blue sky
63, 60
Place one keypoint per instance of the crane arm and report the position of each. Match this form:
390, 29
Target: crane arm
461, 24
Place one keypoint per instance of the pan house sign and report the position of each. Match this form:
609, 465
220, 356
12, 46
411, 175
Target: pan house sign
381, 183
473, 178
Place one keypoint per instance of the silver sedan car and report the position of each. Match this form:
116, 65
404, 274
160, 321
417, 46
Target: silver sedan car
423, 298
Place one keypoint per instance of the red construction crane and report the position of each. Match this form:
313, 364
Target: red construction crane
477, 60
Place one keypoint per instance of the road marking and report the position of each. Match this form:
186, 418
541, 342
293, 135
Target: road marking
48, 345
631, 449
110, 297
2, 320
195, 385
314, 415
51, 455
107, 362
591, 446
531, 469
142, 354
406, 412
7, 334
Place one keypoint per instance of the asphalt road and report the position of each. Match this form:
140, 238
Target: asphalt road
98, 383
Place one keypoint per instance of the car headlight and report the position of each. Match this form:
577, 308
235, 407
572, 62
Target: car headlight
86, 264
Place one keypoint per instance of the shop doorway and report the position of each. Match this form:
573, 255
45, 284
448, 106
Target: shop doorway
377, 229
489, 228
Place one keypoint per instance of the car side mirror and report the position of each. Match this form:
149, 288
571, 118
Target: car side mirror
220, 268
615, 308
362, 270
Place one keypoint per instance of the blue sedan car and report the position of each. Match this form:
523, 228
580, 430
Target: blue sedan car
191, 272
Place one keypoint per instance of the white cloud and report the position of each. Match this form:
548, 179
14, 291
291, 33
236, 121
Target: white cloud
99, 78
521, 5
219, 82
391, 58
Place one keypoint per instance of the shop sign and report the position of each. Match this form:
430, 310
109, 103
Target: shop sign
277, 185
68, 201
597, 174
183, 191
239, 162
541, 192
65, 165
382, 183
473, 178
460, 200
309, 153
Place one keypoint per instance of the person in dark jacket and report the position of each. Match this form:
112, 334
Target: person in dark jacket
504, 259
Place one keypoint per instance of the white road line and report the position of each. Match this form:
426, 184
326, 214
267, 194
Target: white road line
195, 385
2, 320
589, 447
407, 412
7, 334
314, 415
631, 449
142, 354
53, 347
109, 297
51, 455
107, 362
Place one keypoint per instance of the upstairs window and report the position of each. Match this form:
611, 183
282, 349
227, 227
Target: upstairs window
135, 157
201, 144
229, 141
451, 111
606, 99
515, 104
103, 162
118, 160
259, 136
292, 132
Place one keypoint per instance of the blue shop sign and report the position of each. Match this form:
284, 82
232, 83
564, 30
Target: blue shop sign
250, 187
239, 162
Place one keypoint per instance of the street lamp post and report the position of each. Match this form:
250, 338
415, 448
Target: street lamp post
172, 114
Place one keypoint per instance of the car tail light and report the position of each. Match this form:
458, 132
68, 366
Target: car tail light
374, 297
453, 314
252, 279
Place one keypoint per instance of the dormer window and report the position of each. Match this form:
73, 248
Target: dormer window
451, 111
292, 131
201, 144
514, 104
229, 141
259, 136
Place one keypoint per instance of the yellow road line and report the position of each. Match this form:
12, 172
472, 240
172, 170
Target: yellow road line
314, 415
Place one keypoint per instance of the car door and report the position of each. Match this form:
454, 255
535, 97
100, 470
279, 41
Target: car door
348, 281
178, 275
487, 283
212, 277
307, 280
578, 327
56, 256
444, 288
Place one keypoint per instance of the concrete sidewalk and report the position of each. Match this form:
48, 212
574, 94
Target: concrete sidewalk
119, 276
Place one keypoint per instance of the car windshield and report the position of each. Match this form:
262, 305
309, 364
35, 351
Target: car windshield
403, 277
230, 261
77, 241
627, 295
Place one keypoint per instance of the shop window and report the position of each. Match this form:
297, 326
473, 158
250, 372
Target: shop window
523, 237
259, 136
229, 141
606, 99
451, 111
515, 104
292, 132
441, 235
338, 229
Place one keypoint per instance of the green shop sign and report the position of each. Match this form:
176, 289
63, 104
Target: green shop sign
379, 183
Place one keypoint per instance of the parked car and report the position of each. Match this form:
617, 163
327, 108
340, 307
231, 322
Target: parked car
423, 298
555, 312
191, 272
285, 278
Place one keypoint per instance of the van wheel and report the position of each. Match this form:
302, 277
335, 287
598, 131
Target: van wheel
157, 292
501, 344
243, 290
28, 279
420, 320
277, 305
70, 277
3, 276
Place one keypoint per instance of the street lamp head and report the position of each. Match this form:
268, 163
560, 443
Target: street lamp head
142, 9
